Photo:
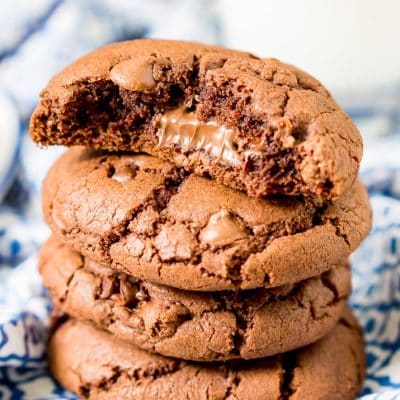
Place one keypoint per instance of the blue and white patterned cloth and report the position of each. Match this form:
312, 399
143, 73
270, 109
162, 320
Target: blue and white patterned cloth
39, 37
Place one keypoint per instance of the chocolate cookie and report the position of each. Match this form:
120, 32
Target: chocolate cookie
147, 217
177, 323
252, 124
96, 365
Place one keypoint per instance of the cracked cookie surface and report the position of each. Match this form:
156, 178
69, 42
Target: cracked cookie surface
192, 325
96, 365
256, 125
147, 217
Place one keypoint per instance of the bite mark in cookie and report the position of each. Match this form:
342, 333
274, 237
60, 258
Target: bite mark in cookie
256, 125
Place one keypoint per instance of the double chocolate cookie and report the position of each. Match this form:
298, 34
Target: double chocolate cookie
192, 325
256, 125
149, 218
96, 365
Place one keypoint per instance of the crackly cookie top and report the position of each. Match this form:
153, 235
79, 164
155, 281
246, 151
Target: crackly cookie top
95, 365
256, 125
250, 324
152, 219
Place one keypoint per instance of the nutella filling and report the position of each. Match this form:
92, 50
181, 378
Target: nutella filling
181, 127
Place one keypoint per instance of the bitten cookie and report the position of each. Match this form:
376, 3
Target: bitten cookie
96, 365
192, 325
255, 125
145, 216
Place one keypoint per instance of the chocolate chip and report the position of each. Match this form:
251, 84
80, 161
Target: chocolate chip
125, 173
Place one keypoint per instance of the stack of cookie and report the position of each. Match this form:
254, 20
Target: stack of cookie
202, 227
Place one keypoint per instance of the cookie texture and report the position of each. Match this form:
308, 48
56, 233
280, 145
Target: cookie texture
145, 216
192, 325
96, 365
256, 125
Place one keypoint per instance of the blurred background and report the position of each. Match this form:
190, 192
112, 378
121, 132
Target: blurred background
352, 46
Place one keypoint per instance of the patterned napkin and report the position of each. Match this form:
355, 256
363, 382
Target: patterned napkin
40, 37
